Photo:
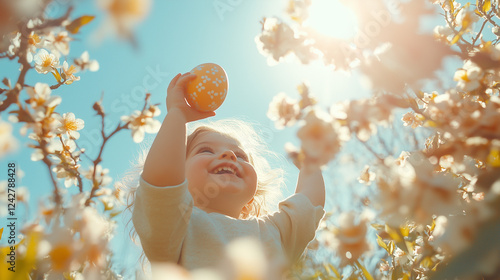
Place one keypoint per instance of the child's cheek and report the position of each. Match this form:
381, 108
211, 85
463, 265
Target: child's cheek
196, 167
251, 175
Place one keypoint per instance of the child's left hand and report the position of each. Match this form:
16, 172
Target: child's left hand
175, 98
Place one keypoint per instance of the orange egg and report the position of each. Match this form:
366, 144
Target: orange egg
209, 89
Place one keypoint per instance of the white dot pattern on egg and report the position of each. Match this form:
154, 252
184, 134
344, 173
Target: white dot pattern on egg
209, 89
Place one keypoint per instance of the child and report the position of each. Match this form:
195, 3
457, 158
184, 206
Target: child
196, 195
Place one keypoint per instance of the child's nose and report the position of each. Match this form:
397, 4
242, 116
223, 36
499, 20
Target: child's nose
228, 155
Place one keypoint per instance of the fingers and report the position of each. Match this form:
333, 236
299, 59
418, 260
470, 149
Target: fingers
195, 115
208, 114
181, 80
174, 81
205, 115
185, 78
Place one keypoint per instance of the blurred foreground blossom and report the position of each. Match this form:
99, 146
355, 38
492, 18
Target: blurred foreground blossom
3, 191
466, 18
278, 40
245, 259
162, 271
101, 175
413, 192
27, 8
367, 176
413, 119
123, 16
298, 10
468, 77
8, 142
348, 240
283, 110
319, 138
363, 115
455, 233
78, 243
443, 33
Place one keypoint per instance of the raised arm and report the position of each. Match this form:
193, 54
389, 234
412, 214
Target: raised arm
311, 184
165, 163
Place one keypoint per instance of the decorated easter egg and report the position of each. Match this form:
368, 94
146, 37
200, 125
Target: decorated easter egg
209, 89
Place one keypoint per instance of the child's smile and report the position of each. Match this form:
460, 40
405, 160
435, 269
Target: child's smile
219, 173
226, 169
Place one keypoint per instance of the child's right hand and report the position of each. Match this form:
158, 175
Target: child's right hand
176, 101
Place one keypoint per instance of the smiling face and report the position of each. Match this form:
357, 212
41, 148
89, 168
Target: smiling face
220, 176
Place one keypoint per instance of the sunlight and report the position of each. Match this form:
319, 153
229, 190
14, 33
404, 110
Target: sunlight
332, 18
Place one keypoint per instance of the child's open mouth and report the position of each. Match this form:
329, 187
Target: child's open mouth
225, 169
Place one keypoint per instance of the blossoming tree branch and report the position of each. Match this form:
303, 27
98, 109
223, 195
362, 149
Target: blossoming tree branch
437, 202
70, 236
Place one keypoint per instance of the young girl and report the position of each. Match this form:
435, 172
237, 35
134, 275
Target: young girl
199, 193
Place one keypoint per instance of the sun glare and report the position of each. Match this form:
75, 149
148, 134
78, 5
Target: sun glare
332, 18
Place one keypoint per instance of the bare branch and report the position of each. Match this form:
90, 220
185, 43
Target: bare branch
48, 163
56, 86
52, 22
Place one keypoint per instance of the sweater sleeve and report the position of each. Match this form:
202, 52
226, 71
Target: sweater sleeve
161, 217
297, 220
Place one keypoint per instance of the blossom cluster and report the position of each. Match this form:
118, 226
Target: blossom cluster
46, 48
437, 201
70, 235
321, 135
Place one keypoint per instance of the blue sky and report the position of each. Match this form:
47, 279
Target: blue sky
174, 38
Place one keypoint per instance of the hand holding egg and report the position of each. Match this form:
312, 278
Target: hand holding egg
208, 90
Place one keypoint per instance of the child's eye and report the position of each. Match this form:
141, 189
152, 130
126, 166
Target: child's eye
205, 150
242, 156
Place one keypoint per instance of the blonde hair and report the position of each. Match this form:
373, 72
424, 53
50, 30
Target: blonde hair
269, 180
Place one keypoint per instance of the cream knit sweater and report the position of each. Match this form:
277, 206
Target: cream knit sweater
171, 229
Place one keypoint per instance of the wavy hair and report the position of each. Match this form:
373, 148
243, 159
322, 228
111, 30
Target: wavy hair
269, 180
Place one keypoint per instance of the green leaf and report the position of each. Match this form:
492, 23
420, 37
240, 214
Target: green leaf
420, 94
56, 75
493, 158
395, 235
405, 231
427, 262
381, 243
367, 274
397, 273
456, 38
391, 247
75, 25
330, 268
486, 6
335, 271
378, 226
